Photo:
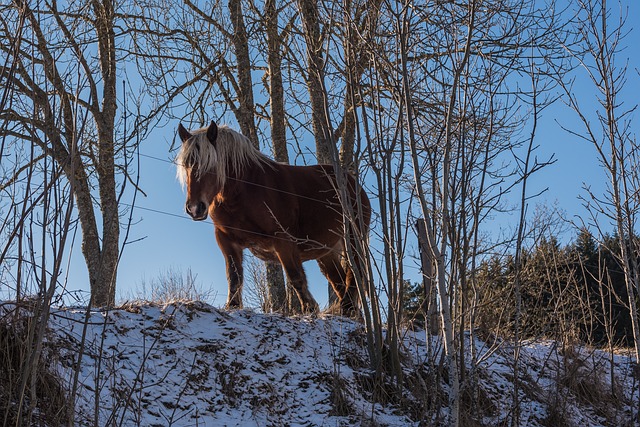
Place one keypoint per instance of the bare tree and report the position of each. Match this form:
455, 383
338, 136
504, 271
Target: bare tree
37, 227
315, 78
65, 71
224, 69
281, 298
212, 65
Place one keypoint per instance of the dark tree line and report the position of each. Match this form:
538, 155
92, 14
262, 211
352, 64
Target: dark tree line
575, 291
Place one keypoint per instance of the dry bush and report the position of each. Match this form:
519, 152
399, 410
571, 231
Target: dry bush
28, 399
256, 288
340, 403
556, 411
476, 404
586, 379
583, 379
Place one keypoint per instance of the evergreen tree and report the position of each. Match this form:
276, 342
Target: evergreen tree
414, 301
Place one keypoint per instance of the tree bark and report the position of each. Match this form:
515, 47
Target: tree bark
105, 282
246, 110
428, 279
320, 120
279, 301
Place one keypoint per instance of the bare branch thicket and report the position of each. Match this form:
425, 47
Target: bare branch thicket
295, 46
207, 69
68, 161
610, 132
606, 125
37, 229
442, 101
37, 245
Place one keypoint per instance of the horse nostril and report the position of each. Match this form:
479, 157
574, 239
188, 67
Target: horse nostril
197, 211
200, 210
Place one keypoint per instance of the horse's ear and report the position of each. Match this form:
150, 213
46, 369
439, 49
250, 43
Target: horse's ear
183, 133
212, 132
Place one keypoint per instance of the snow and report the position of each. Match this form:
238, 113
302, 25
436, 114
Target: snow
190, 364
197, 365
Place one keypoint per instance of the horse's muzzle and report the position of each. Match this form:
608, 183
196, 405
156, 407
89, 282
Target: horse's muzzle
197, 211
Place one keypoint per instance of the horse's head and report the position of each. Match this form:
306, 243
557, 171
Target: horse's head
196, 162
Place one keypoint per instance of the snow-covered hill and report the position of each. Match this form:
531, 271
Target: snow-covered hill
190, 364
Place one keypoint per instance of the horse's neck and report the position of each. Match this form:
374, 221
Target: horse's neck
233, 182
250, 176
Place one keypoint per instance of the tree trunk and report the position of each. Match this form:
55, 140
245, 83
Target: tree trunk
276, 89
275, 276
320, 120
105, 121
426, 262
245, 113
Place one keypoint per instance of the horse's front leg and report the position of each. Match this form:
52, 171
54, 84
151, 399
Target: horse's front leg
233, 260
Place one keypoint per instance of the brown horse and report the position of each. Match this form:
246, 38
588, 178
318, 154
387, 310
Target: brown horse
283, 213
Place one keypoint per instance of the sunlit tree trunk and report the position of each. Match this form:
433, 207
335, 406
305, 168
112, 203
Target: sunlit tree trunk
245, 112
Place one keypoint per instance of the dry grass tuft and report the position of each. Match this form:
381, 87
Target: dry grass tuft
586, 379
172, 286
340, 403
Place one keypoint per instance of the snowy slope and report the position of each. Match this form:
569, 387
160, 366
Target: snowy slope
194, 365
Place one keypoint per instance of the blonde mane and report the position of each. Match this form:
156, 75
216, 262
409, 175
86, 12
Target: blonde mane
232, 152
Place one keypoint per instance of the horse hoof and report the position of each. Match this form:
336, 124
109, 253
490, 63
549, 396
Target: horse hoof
232, 306
350, 312
311, 309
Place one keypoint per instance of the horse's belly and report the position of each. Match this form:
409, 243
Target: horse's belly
307, 251
316, 250
263, 254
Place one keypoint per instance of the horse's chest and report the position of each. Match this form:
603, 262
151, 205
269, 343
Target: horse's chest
244, 232
252, 218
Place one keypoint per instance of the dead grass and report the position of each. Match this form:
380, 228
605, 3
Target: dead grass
340, 403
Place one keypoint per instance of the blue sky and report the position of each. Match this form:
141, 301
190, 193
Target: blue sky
171, 240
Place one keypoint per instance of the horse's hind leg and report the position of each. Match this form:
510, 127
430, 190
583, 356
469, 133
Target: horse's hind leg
351, 298
292, 264
342, 282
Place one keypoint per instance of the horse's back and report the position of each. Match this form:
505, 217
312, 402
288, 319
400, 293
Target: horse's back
318, 196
